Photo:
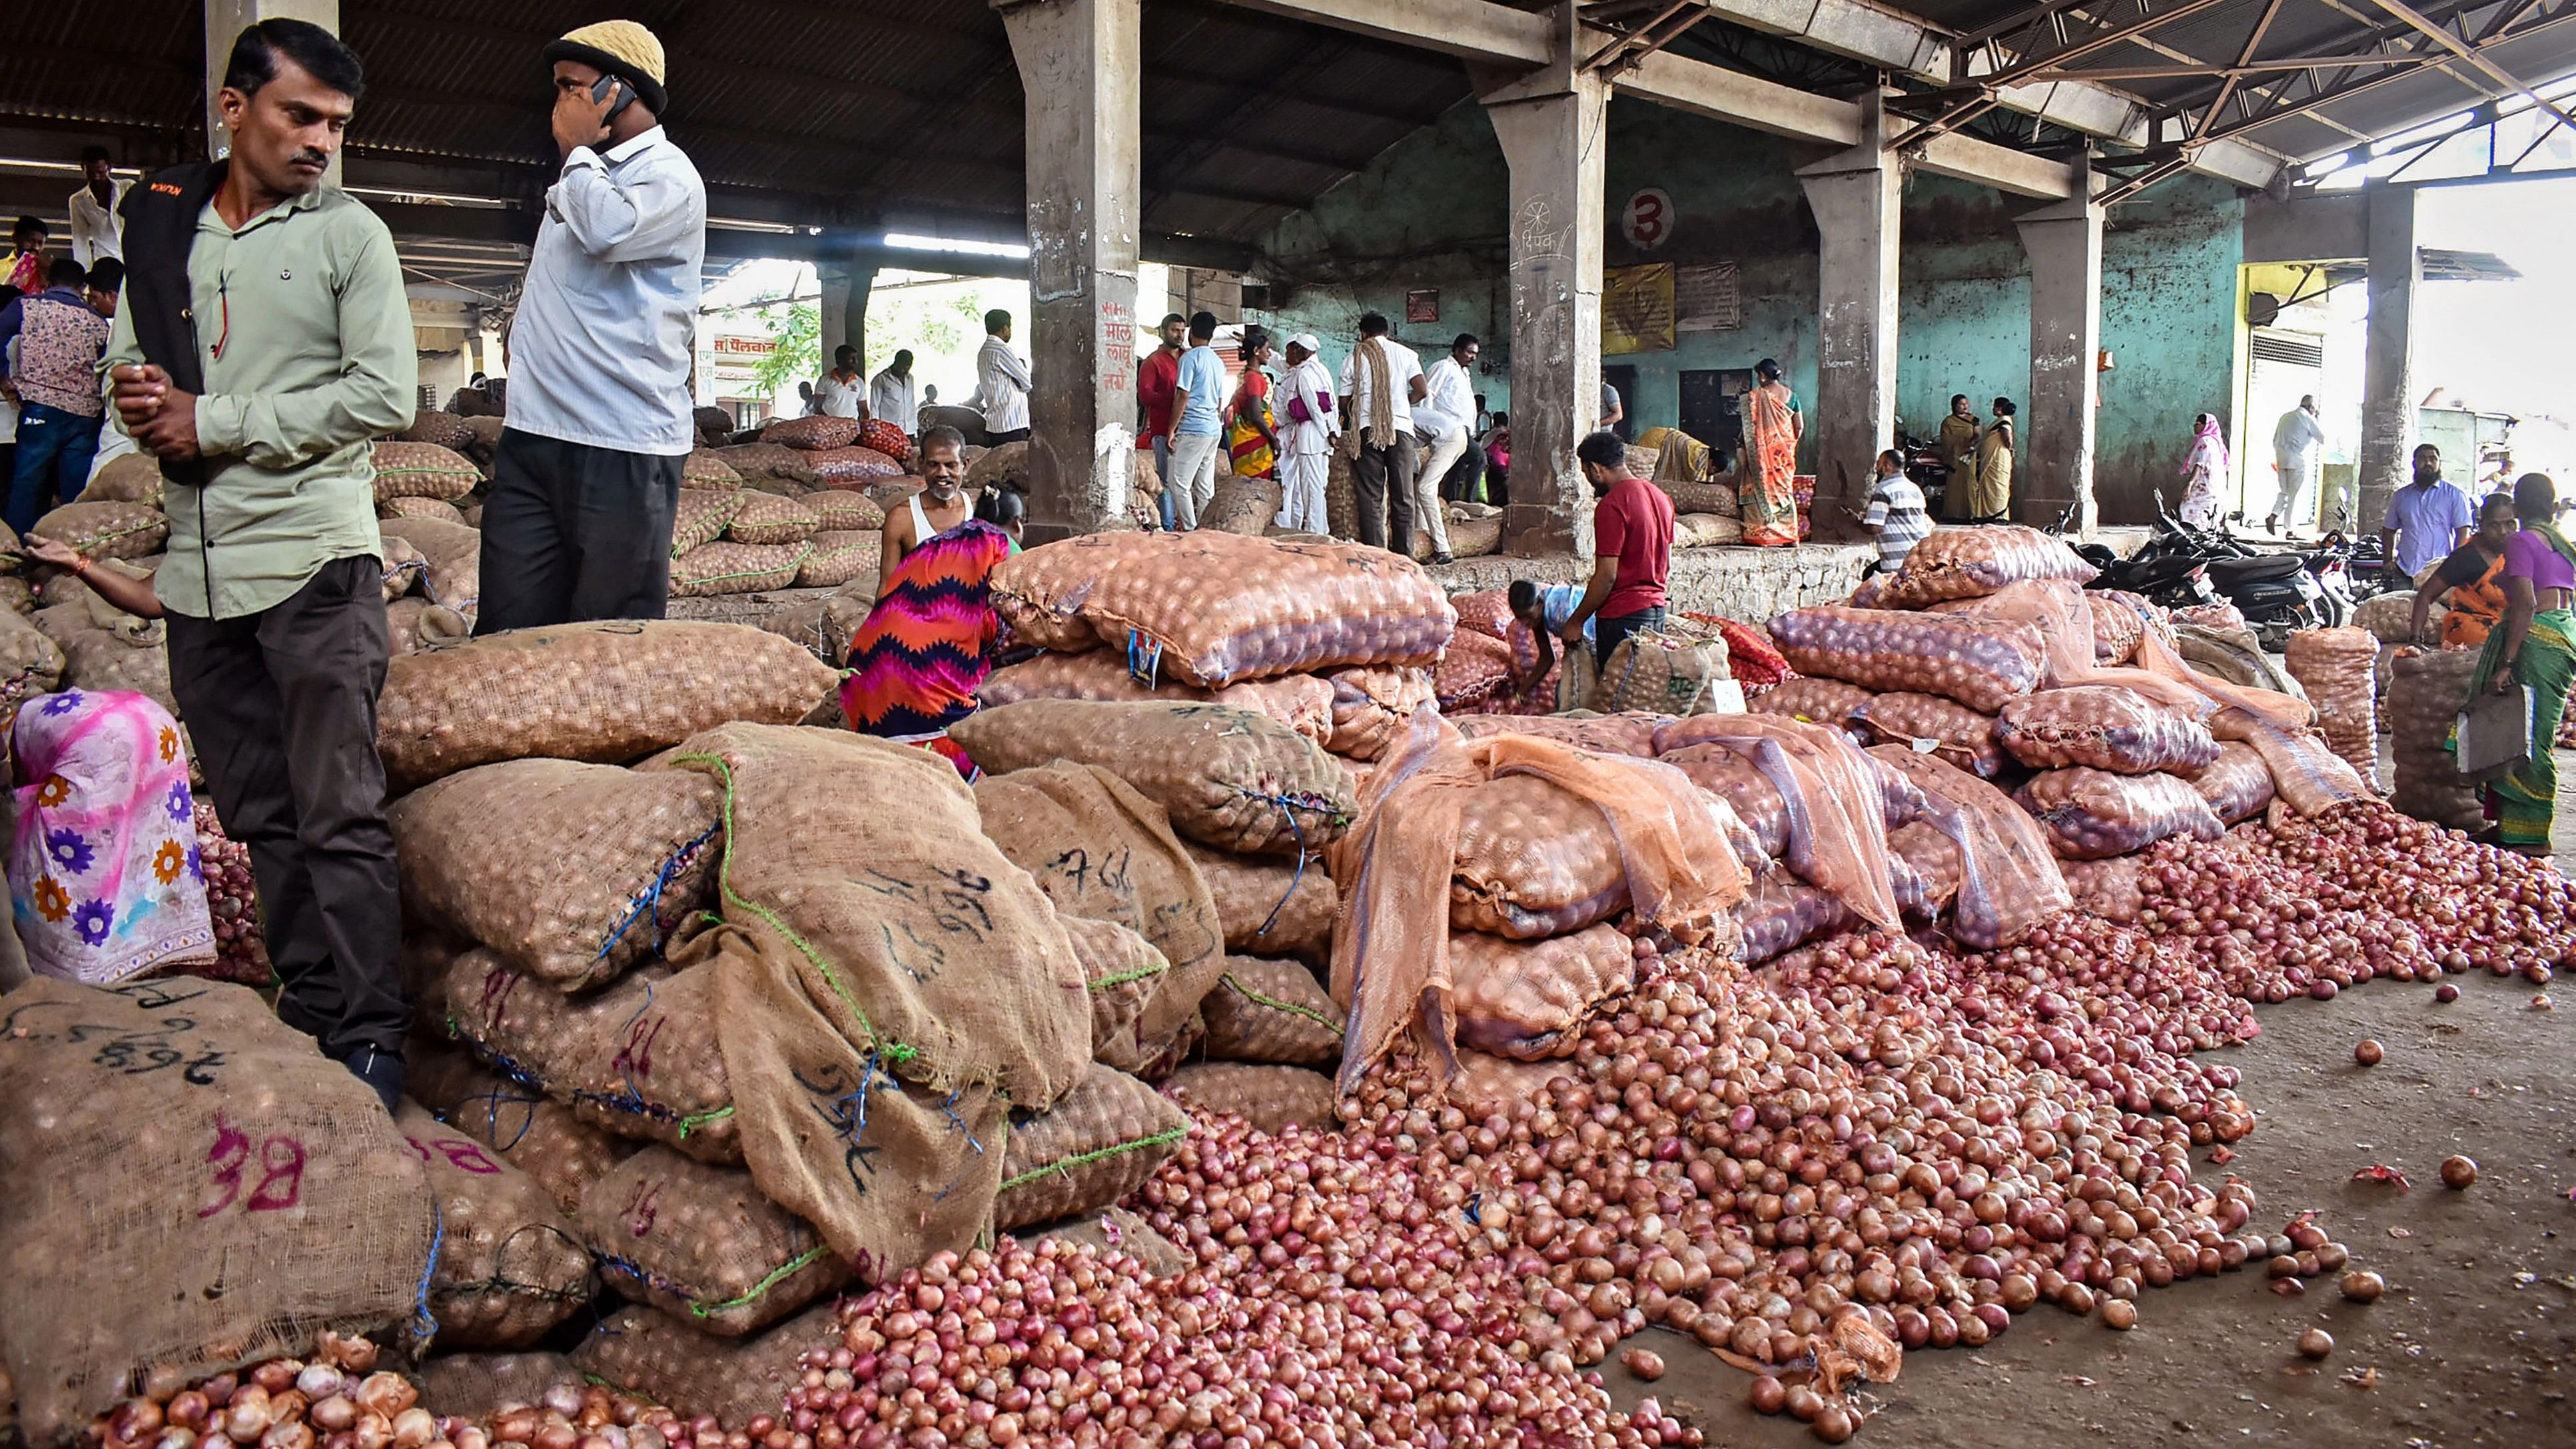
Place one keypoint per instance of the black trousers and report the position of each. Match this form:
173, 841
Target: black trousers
282, 707
1383, 480
573, 532
1465, 482
1608, 633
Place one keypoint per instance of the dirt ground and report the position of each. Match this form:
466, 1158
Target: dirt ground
2474, 1342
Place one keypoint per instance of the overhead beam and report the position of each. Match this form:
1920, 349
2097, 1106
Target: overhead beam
1468, 29
2475, 56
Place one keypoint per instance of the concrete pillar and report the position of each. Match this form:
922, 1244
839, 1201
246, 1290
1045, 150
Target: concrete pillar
2055, 440
844, 310
1553, 125
2388, 390
1856, 196
225, 21
1080, 70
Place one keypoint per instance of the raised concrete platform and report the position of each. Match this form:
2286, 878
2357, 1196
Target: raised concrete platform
750, 609
1752, 584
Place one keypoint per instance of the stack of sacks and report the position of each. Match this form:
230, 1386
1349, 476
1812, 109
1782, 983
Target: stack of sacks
2338, 668
1475, 530
775, 464
714, 425
743, 540
433, 578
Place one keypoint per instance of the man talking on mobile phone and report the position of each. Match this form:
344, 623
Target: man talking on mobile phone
587, 474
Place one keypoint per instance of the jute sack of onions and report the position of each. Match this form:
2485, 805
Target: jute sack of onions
1271, 1098
2338, 667
2237, 784
1979, 662
2094, 814
703, 468
1824, 701
1303, 702
480, 1385
639, 1059
126, 478
1714, 500
430, 425
2425, 690
1242, 505
768, 461
1534, 859
604, 692
765, 518
1934, 725
1782, 912
812, 434
702, 1244
1121, 971
519, 1124
1272, 1011
838, 511
30, 663
1659, 673
1211, 608
1089, 1150
214, 1191
649, 1352
1101, 850
419, 624
1609, 734
1962, 563
737, 568
106, 530
1270, 907
1529, 999
423, 470
837, 557
701, 518
1372, 705
454, 552
509, 1267
407, 507
572, 872
1229, 777
2104, 726
104, 649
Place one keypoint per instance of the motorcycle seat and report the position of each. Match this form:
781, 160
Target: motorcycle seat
2227, 572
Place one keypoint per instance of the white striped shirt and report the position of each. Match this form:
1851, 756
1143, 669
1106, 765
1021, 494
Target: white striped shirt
1896, 514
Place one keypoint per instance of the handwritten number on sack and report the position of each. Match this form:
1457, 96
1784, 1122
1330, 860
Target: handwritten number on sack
281, 1162
635, 1059
463, 1155
920, 959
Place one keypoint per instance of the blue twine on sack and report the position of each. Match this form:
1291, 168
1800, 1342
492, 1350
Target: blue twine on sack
949, 1110
424, 1322
492, 1103
1299, 832
651, 901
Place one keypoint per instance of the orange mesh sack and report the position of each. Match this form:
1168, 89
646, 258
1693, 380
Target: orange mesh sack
1607, 734
1210, 608
1978, 662
1833, 795
671, 1361
573, 872
2306, 776
2336, 667
1963, 563
1270, 907
1471, 671
1085, 1153
1272, 1011
1373, 707
1732, 777
1782, 913
2106, 727
702, 1244
2094, 814
2118, 619
522, 1126
1533, 860
509, 1267
2109, 889
1303, 702
2237, 784
1926, 875
1936, 726
1230, 778
1486, 611
1822, 701
1272, 1099
1528, 999
2009, 879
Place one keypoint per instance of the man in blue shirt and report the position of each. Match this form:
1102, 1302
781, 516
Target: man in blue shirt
2426, 519
1198, 425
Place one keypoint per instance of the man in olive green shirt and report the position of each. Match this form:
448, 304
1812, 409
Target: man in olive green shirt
264, 341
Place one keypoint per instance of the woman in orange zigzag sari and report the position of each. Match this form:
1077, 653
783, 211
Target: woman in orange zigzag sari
929, 641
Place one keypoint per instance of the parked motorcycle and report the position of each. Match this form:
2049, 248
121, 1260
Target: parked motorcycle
2276, 592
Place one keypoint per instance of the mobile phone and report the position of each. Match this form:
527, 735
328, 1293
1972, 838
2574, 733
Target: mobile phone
607, 86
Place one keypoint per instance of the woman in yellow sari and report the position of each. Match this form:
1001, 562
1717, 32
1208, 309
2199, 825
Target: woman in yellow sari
1766, 471
1251, 430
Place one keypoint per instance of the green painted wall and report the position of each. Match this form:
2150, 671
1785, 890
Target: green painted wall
1429, 214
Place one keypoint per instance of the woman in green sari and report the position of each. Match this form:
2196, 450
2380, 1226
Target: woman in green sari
2537, 647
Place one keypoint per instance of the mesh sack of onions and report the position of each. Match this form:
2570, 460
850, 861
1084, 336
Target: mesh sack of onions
1211, 608
509, 1267
766, 518
1486, 611
527, 1129
1979, 662
572, 872
1925, 870
2111, 889
30, 663
1271, 1098
1612, 734
812, 434
480, 1385
447, 430
2106, 727
701, 518
1240, 505
649, 1352
1839, 802
126, 478
1528, 999
603, 692
1822, 701
232, 900
1230, 778
1781, 913
2237, 784
702, 1244
2211, 616
2009, 880
419, 470
640, 1059
107, 530
1472, 670
1657, 672
1750, 655
2308, 777
2338, 668
1534, 859
407, 507
2117, 625
1271, 1011
1303, 702
839, 511
2425, 691
454, 553
885, 437
2094, 814
210, 1191
837, 557
1372, 706
1089, 1150
1270, 907
1936, 726
1756, 801
1963, 563
768, 460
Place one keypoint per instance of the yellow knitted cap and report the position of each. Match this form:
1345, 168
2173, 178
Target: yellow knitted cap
621, 48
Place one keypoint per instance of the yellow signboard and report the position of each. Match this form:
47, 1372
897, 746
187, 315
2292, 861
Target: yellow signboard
1637, 309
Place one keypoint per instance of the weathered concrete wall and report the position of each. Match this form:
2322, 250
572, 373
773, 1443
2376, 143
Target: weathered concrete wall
1430, 214
1736, 583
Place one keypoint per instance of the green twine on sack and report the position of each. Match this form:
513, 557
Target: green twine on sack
1105, 982
777, 1275
1257, 999
1066, 1165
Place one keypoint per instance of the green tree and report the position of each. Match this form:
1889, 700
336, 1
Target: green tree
799, 354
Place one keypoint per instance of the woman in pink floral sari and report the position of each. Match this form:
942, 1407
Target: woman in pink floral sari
104, 874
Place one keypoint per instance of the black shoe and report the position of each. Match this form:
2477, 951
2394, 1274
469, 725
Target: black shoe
382, 1071
1442, 558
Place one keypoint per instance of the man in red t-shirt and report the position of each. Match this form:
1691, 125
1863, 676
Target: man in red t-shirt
1632, 549
1156, 378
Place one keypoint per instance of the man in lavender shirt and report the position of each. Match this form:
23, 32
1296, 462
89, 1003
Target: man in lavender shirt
2426, 519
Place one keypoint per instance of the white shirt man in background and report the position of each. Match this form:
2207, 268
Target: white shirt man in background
586, 480
1308, 429
1381, 381
97, 231
841, 393
2297, 442
1450, 388
892, 395
1001, 383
